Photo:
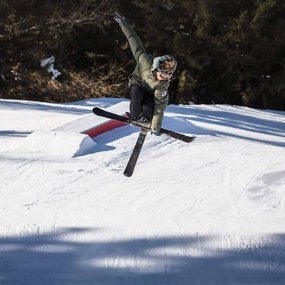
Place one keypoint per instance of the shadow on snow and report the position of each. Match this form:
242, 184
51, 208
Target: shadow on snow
55, 258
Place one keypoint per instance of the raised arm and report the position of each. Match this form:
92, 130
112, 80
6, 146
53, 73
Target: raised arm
132, 37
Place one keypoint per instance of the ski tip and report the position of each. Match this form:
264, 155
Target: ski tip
192, 139
127, 174
188, 139
95, 110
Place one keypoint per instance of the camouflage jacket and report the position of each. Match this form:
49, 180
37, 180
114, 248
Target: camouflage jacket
144, 77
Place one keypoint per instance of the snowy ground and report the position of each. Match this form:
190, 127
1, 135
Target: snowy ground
209, 212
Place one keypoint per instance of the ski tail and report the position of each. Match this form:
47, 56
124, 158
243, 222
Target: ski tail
135, 154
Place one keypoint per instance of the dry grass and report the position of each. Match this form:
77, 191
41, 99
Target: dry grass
109, 80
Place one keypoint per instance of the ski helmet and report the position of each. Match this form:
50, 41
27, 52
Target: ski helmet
165, 64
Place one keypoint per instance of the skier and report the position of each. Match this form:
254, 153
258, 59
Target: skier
149, 82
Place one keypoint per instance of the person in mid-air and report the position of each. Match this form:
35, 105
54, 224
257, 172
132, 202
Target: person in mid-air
149, 82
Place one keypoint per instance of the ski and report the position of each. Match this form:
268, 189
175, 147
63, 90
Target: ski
100, 112
135, 154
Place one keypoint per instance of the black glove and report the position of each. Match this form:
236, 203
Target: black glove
121, 20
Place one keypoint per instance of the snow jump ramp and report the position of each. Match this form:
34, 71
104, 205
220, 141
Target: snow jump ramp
75, 138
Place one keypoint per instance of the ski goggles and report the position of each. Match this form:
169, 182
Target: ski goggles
165, 74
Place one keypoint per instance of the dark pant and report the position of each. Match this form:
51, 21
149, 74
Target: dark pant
142, 103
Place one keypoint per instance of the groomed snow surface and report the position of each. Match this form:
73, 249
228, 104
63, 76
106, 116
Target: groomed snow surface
208, 212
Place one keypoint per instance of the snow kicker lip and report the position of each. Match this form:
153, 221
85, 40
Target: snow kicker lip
92, 126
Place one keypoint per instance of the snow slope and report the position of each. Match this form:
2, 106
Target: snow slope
209, 212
